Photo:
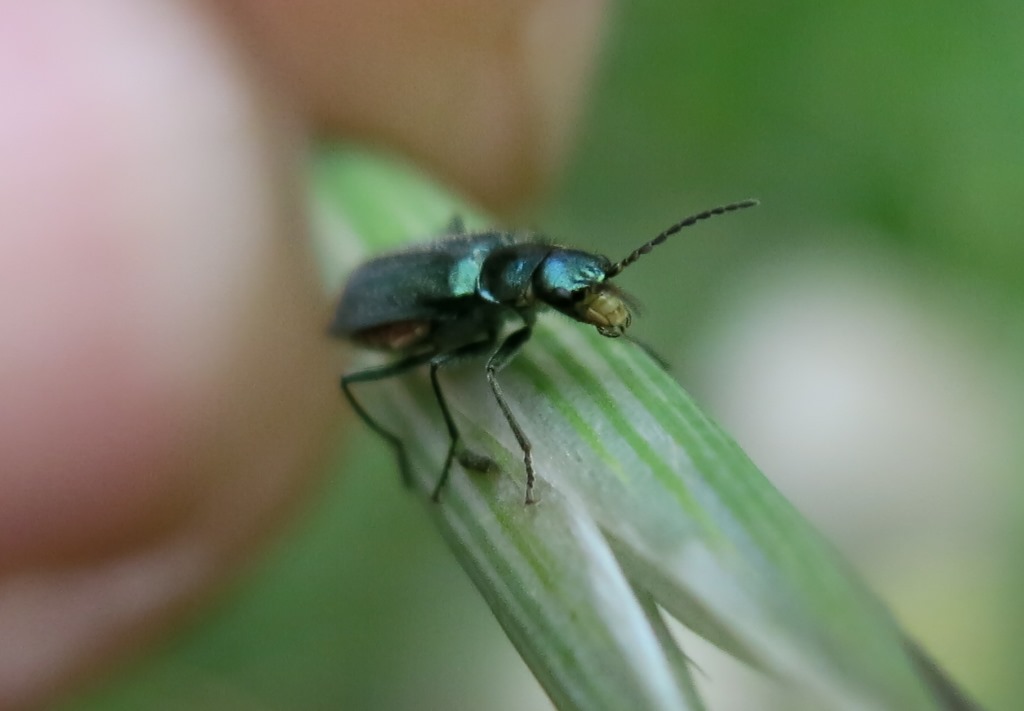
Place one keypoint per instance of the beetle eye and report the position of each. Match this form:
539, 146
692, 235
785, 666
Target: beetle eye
562, 295
578, 295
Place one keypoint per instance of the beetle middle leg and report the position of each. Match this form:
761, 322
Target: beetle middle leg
651, 353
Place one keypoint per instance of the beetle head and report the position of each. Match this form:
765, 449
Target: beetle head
605, 307
575, 283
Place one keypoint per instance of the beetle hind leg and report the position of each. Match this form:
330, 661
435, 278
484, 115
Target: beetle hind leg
384, 372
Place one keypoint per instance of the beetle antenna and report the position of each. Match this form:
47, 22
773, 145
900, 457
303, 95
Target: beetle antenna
616, 268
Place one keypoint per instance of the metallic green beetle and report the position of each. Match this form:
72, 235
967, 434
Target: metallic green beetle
451, 299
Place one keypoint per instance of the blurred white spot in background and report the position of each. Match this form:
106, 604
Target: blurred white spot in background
874, 406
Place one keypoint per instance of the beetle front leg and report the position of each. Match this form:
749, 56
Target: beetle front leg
467, 458
498, 360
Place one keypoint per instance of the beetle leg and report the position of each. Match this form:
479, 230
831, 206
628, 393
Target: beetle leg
470, 459
498, 360
651, 353
384, 372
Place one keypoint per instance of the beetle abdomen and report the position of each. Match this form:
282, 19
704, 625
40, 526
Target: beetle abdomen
418, 283
395, 336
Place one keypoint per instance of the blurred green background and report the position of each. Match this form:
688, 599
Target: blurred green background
860, 334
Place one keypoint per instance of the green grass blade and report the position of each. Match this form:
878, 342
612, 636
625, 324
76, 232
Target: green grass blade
642, 497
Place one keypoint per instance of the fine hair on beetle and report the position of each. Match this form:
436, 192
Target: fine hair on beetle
452, 299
